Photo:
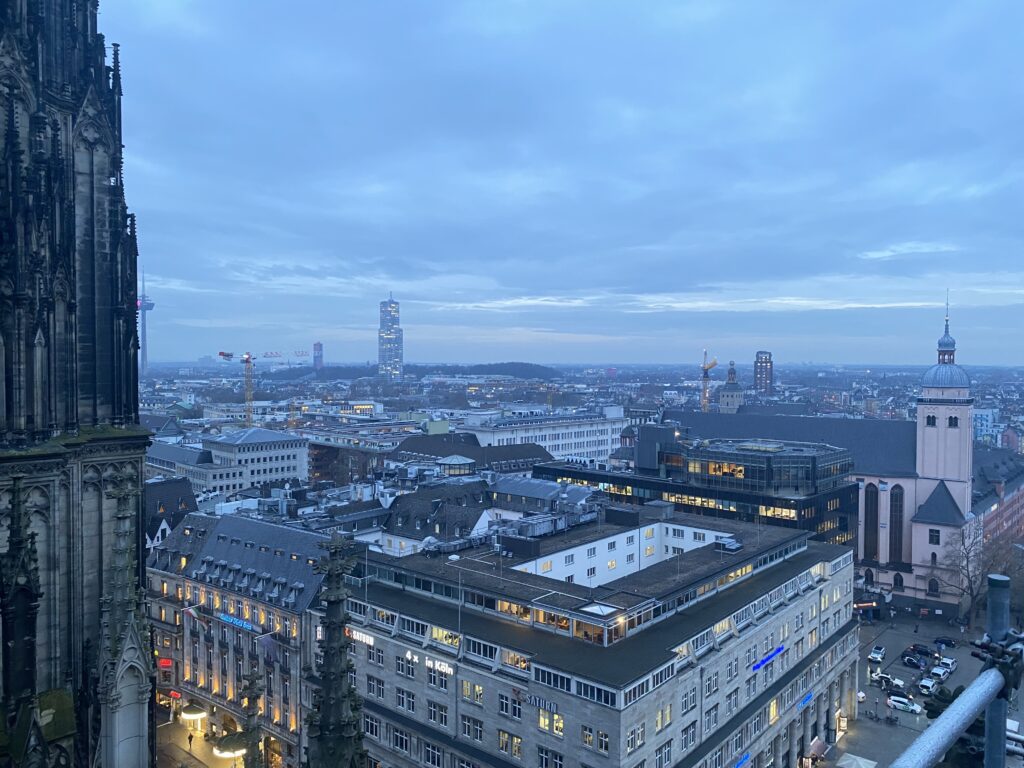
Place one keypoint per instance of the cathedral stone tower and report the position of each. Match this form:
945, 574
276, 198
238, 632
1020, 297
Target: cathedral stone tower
71, 451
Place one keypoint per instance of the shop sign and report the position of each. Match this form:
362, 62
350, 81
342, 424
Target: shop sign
362, 637
441, 666
234, 621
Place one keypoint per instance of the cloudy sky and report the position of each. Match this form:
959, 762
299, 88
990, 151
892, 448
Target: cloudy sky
578, 181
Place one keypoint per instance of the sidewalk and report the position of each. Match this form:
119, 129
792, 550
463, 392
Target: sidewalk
173, 752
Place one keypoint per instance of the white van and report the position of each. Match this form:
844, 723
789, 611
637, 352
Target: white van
947, 663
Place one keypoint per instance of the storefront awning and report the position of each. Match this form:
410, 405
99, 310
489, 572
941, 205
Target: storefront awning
192, 711
818, 747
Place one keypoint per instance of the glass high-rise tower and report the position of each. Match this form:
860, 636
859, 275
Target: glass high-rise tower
390, 353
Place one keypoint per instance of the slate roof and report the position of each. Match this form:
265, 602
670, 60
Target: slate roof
179, 454
544, 490
171, 500
437, 510
878, 447
496, 457
940, 509
239, 550
992, 467
253, 436
775, 409
161, 426
946, 375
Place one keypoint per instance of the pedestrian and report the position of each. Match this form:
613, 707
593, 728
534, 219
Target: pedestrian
961, 629
190, 737
915, 629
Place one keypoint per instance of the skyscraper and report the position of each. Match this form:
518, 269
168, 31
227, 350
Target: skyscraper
75, 645
318, 356
390, 352
145, 305
764, 374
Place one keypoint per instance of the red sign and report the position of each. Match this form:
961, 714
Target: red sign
174, 695
166, 663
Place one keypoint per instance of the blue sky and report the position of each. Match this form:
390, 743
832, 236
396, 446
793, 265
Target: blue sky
561, 181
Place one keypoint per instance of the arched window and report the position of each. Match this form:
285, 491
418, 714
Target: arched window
871, 522
896, 524
897, 582
935, 559
869, 578
954, 421
929, 421
933, 586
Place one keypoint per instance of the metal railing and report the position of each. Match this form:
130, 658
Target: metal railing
1002, 652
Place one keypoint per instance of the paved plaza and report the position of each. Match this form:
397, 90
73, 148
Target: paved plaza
877, 740
173, 750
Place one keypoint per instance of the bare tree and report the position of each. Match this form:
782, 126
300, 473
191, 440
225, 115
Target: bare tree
967, 560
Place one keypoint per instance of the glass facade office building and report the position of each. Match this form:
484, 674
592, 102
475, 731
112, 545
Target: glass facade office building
799, 485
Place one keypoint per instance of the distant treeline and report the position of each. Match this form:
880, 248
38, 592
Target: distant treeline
330, 372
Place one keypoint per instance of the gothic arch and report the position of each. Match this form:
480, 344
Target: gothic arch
871, 522
869, 578
897, 582
933, 586
896, 501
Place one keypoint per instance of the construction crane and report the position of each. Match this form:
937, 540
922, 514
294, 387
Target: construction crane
246, 358
705, 391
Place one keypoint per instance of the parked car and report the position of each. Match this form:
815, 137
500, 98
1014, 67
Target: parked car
945, 640
895, 689
948, 663
877, 654
884, 678
928, 686
903, 705
919, 649
939, 673
915, 662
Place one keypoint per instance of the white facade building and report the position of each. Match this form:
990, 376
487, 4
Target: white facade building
266, 454
590, 435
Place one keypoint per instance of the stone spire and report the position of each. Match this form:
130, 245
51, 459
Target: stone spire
19, 600
336, 740
251, 692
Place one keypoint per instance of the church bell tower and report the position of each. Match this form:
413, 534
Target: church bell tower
945, 426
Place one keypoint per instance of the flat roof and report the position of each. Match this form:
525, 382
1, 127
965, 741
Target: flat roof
484, 569
619, 664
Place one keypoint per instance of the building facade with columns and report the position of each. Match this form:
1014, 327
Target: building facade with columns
645, 637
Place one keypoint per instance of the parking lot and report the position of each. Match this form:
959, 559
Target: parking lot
877, 740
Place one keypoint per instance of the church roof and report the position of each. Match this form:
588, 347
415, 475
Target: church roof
878, 447
940, 509
946, 375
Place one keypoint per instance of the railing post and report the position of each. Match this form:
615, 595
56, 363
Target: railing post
997, 627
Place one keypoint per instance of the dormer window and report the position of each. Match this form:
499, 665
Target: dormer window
930, 421
954, 421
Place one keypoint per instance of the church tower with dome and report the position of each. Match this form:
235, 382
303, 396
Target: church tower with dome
945, 424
